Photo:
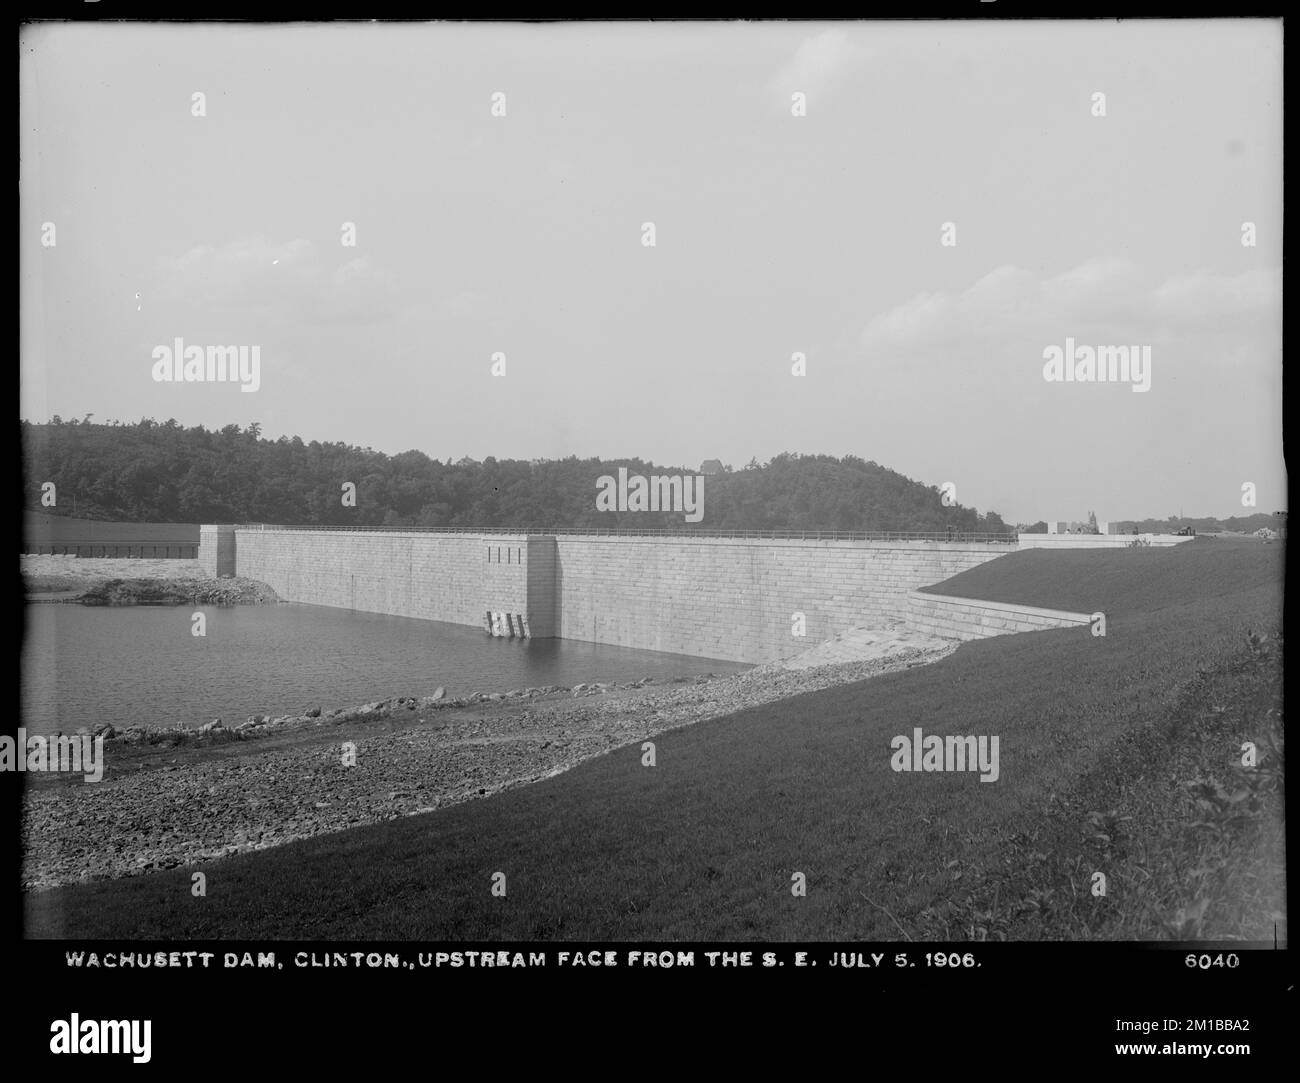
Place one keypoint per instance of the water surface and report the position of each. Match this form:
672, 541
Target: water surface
141, 666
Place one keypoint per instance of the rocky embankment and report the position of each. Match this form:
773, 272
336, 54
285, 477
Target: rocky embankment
170, 798
231, 591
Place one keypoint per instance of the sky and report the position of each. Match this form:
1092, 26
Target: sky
827, 236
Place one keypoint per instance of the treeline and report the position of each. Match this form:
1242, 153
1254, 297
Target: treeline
1244, 524
1240, 524
164, 472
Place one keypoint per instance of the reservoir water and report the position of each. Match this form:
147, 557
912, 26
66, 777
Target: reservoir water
141, 665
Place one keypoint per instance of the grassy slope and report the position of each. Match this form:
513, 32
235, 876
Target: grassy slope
1190, 841
704, 844
1119, 581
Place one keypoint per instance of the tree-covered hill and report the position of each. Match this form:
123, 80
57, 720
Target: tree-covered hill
163, 472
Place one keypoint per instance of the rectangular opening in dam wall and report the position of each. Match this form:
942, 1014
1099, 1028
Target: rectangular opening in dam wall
506, 625
738, 599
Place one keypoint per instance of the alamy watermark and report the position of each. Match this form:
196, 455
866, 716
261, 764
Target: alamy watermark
951, 753
1104, 364
77, 1035
179, 363
638, 493
78, 755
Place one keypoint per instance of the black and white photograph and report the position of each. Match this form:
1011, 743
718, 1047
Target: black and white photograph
651, 495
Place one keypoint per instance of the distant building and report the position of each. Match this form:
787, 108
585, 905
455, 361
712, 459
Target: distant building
711, 466
1062, 526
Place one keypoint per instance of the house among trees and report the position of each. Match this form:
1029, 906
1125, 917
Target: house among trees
1092, 526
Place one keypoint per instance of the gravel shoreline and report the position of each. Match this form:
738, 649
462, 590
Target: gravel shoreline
172, 799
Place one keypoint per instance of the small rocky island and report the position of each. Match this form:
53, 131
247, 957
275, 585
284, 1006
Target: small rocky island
101, 581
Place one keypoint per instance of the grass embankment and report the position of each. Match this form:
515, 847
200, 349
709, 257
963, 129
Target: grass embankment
1118, 582
705, 843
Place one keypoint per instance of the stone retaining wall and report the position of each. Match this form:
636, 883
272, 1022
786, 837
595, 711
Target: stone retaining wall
742, 599
1098, 541
739, 599
970, 618
449, 577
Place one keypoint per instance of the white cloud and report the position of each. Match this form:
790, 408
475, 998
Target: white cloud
1010, 304
290, 280
1209, 300
819, 65
465, 304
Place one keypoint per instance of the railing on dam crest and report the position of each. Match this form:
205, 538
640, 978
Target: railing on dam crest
1007, 537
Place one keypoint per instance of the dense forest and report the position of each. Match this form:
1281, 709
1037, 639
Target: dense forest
153, 471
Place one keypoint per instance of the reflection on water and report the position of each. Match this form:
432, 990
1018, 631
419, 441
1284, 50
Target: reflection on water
141, 666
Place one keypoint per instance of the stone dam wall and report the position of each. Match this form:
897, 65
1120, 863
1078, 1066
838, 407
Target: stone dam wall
1099, 541
739, 599
457, 578
971, 618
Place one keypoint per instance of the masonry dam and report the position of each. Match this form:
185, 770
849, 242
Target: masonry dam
734, 598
